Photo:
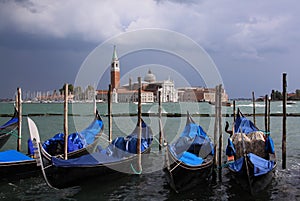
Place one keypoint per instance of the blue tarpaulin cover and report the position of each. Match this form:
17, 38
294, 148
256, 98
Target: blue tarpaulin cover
261, 165
13, 156
76, 140
86, 160
111, 154
119, 149
230, 150
191, 130
88, 134
190, 159
269, 145
192, 145
237, 164
244, 125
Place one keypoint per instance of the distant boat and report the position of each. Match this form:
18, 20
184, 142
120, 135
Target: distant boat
291, 102
9, 128
250, 155
144, 103
120, 156
189, 160
226, 104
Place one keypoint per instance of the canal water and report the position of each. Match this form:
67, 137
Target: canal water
152, 183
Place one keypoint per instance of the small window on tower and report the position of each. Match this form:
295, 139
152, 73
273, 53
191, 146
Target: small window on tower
117, 65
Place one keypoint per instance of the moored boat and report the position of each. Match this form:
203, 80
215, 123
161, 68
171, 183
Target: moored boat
251, 155
16, 165
189, 160
120, 156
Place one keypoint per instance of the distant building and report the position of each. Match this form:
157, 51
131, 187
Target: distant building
199, 94
209, 95
191, 94
128, 92
150, 88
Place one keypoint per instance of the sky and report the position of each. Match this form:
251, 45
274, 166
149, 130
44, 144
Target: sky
43, 44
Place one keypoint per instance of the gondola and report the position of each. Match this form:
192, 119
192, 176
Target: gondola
9, 128
250, 155
189, 160
16, 165
119, 157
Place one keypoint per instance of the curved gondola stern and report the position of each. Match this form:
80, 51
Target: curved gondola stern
189, 118
35, 138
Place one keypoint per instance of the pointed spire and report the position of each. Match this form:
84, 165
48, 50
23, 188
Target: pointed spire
115, 57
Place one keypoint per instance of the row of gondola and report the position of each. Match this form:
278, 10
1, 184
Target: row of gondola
188, 159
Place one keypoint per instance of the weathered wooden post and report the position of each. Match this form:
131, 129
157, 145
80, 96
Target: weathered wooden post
214, 175
138, 144
284, 100
269, 114
160, 123
95, 103
253, 101
266, 113
19, 108
66, 121
109, 105
220, 130
234, 113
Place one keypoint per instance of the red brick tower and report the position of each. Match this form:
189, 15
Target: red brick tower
115, 71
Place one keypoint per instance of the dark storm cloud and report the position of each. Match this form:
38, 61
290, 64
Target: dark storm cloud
237, 34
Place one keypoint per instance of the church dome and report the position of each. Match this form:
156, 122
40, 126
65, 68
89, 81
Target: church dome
149, 77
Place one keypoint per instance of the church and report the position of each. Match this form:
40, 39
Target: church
129, 92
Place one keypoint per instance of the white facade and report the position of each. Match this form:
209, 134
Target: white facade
114, 96
167, 87
168, 91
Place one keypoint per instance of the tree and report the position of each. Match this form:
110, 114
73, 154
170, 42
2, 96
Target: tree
276, 95
298, 93
70, 89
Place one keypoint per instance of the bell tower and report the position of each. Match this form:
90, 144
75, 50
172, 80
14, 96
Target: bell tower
115, 71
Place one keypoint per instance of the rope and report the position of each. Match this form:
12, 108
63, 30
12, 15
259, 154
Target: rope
13, 133
224, 165
175, 166
135, 172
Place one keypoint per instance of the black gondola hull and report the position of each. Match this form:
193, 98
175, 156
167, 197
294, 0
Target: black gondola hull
182, 177
62, 177
19, 169
258, 183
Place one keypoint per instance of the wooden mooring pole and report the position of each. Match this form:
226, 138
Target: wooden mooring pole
266, 113
66, 121
19, 108
234, 113
220, 130
109, 111
214, 174
138, 144
160, 123
253, 101
284, 100
269, 114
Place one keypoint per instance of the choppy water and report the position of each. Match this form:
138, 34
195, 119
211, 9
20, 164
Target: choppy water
153, 186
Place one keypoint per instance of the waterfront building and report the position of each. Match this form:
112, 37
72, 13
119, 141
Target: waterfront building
150, 88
